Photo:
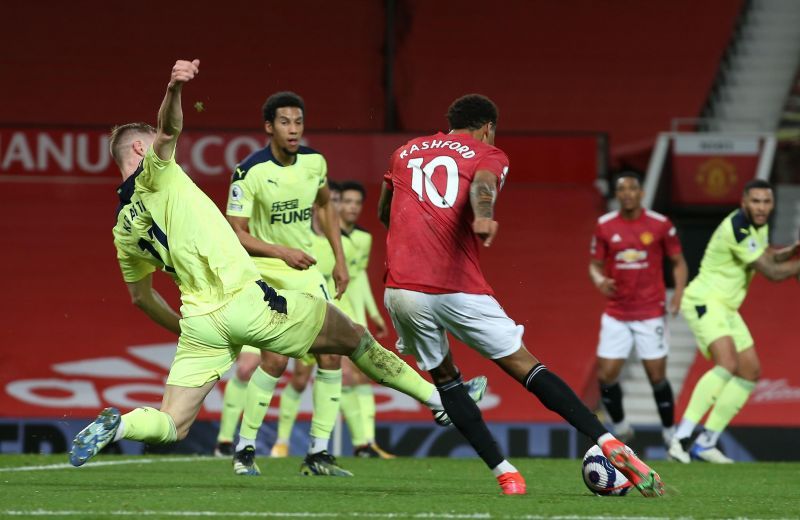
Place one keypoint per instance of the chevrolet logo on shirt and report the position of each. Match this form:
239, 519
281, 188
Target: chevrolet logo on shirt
631, 259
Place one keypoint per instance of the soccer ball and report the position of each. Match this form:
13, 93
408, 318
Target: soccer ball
601, 477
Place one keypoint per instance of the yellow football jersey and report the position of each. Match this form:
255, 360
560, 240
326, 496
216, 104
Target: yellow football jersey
278, 199
726, 271
359, 292
165, 221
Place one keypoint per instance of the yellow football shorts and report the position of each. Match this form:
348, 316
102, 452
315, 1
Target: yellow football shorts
711, 320
286, 278
209, 344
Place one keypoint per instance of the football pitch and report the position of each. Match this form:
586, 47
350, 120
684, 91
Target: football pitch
433, 488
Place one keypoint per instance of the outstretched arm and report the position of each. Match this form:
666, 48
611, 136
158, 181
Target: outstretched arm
146, 298
782, 255
773, 268
482, 195
170, 115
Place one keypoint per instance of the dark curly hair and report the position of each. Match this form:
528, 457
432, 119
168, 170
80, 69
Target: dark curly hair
280, 100
471, 112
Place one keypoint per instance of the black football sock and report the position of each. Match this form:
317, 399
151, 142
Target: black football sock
557, 396
665, 402
611, 395
466, 416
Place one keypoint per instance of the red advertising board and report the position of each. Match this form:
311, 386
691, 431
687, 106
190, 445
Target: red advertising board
712, 170
207, 156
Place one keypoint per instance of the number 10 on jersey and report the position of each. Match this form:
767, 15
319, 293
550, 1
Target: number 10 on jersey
423, 174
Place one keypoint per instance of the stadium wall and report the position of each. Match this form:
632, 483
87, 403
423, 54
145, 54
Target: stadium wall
616, 67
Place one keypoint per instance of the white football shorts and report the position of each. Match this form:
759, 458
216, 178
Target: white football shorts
423, 320
617, 338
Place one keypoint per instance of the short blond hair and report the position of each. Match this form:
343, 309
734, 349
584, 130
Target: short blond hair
120, 135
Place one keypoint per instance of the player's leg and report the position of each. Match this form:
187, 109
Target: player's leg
204, 353
259, 394
705, 393
351, 410
326, 394
363, 388
467, 418
732, 397
710, 326
558, 397
416, 317
233, 399
290, 405
342, 336
613, 348
653, 348
656, 370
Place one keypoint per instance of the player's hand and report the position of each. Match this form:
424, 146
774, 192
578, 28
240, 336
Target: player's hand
183, 71
340, 279
297, 259
675, 304
608, 286
380, 330
486, 229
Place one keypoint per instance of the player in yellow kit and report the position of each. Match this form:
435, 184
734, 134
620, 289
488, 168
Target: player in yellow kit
737, 250
165, 221
358, 398
269, 207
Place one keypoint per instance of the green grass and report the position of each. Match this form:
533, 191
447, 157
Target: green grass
402, 488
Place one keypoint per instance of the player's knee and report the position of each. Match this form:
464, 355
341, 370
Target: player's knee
300, 381
749, 373
329, 361
731, 364
245, 372
274, 366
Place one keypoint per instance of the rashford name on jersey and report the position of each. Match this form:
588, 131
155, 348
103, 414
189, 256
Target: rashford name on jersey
463, 150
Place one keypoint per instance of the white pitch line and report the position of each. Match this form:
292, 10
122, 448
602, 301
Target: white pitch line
300, 514
103, 463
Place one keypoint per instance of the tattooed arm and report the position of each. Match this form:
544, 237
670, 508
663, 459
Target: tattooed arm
482, 194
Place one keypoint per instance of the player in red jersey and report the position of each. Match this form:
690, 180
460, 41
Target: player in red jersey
438, 203
628, 249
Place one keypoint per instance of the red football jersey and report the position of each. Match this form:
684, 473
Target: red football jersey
430, 246
633, 252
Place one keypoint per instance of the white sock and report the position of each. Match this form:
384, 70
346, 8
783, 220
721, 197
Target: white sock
622, 426
685, 429
244, 442
503, 467
708, 439
120, 431
282, 441
435, 400
317, 445
604, 439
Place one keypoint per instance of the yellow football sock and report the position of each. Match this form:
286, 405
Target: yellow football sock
732, 398
257, 399
327, 395
385, 368
149, 425
232, 406
290, 405
351, 409
366, 398
705, 393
